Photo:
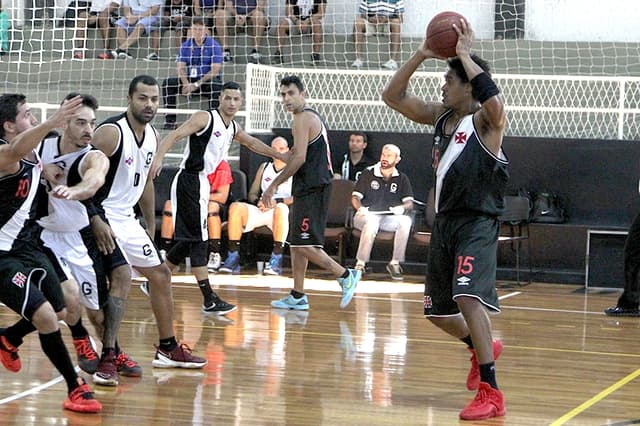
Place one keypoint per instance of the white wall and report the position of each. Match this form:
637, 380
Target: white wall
545, 20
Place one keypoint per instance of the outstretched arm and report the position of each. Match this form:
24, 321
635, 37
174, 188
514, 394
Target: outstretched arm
20, 146
257, 146
94, 170
193, 125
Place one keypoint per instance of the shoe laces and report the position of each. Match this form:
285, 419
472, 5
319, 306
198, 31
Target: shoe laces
124, 359
84, 348
8, 347
81, 392
184, 348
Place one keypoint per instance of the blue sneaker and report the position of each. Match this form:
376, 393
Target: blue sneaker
349, 286
274, 267
291, 302
231, 264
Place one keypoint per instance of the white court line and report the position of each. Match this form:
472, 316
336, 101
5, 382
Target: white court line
35, 389
508, 295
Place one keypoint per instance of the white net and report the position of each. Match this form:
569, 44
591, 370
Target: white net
538, 106
567, 68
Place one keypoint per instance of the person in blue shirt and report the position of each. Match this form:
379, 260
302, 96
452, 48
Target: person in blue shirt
199, 66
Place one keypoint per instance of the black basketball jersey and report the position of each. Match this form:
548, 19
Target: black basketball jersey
468, 176
17, 192
316, 170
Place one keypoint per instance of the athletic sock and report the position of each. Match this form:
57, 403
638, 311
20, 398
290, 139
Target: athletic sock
205, 289
215, 245
168, 344
78, 331
278, 247
17, 331
296, 294
56, 351
234, 245
488, 374
468, 341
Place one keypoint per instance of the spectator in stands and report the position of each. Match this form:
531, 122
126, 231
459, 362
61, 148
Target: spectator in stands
220, 181
356, 159
375, 14
305, 17
245, 14
381, 198
199, 67
138, 17
177, 16
629, 301
43, 12
245, 217
207, 9
91, 14
5, 24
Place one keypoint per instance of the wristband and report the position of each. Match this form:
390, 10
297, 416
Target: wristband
483, 87
92, 209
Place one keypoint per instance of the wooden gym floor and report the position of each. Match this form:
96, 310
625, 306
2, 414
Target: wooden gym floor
378, 362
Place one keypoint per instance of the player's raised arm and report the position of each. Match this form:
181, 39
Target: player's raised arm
397, 96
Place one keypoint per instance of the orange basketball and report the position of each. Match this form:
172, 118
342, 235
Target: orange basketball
441, 37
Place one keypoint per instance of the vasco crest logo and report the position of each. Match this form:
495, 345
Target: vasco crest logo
217, 133
19, 279
129, 161
461, 137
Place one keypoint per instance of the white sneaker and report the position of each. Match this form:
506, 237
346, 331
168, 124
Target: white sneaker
255, 56
152, 57
215, 261
357, 63
390, 65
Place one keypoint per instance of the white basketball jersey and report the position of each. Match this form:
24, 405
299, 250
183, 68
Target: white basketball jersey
63, 215
206, 149
128, 168
268, 175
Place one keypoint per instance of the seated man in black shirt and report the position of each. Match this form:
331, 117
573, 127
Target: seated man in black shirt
381, 197
356, 160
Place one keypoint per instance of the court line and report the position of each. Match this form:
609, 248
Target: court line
597, 398
35, 389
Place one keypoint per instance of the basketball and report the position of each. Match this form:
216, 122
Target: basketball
441, 37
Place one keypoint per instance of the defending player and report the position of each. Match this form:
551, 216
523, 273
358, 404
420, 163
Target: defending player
76, 173
28, 284
130, 143
210, 134
310, 166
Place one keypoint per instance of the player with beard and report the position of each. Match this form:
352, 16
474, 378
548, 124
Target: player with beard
130, 143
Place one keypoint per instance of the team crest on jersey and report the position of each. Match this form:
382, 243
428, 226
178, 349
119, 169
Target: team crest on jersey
375, 185
217, 133
129, 161
19, 279
461, 137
